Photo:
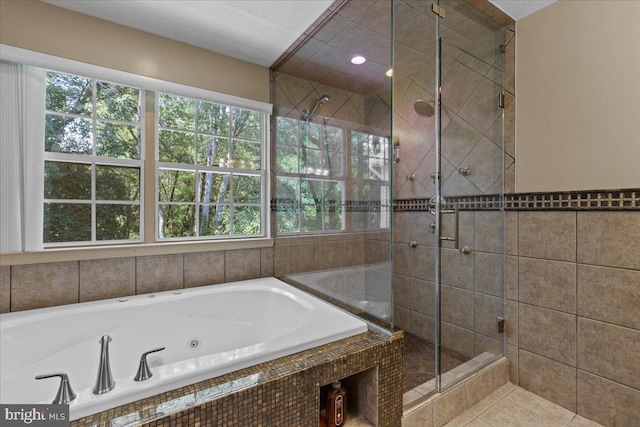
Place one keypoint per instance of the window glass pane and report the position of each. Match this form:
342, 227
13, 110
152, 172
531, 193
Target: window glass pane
246, 220
333, 138
213, 118
176, 220
359, 143
215, 187
176, 112
245, 124
66, 222
311, 218
333, 192
246, 188
287, 159
375, 168
176, 147
287, 217
69, 94
215, 220
288, 190
117, 183
68, 135
67, 181
119, 141
213, 151
311, 191
246, 155
117, 222
333, 217
332, 164
221, 137
287, 131
117, 102
310, 133
176, 185
311, 162
361, 192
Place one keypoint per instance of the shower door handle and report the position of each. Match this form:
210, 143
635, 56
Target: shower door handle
456, 238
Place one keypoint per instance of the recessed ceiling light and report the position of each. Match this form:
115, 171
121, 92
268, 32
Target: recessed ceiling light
357, 60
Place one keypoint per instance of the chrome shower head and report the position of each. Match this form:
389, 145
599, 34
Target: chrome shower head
306, 115
424, 108
322, 100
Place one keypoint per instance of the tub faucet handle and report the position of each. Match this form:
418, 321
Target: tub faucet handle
65, 392
144, 373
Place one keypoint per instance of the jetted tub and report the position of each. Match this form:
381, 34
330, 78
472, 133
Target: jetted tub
207, 332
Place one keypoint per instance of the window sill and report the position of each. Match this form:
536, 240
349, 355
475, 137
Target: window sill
132, 250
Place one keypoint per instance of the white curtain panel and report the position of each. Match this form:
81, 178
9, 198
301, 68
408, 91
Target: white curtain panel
22, 106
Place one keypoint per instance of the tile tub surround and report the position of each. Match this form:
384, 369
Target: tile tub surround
31, 286
287, 390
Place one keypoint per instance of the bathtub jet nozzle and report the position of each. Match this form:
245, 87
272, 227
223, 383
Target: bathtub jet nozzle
104, 380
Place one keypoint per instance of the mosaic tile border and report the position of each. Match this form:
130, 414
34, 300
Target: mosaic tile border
268, 391
598, 200
283, 205
628, 199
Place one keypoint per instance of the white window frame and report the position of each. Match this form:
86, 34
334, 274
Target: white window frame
305, 176
197, 168
94, 160
146, 84
385, 200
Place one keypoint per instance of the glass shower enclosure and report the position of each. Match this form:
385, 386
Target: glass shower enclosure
388, 177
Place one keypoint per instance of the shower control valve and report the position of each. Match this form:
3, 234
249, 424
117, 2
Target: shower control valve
466, 250
413, 244
464, 171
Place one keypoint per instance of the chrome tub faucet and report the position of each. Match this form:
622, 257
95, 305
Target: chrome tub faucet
104, 380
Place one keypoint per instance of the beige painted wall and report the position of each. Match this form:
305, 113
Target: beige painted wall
578, 92
56, 31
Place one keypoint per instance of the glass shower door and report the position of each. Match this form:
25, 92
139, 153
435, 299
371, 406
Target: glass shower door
467, 208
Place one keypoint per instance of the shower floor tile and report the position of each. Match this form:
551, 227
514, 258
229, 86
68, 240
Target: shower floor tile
418, 365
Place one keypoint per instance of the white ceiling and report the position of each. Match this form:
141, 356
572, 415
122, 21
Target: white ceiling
257, 31
518, 9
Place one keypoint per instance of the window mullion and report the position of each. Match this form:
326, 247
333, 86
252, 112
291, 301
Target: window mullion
94, 152
150, 154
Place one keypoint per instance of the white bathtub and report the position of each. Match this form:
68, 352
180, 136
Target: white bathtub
236, 325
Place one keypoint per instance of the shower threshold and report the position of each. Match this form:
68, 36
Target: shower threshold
418, 368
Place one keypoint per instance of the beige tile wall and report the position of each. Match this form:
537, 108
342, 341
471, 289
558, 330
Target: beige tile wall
472, 290
303, 254
573, 310
25, 287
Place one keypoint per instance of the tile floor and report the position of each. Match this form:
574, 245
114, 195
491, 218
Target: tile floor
512, 406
